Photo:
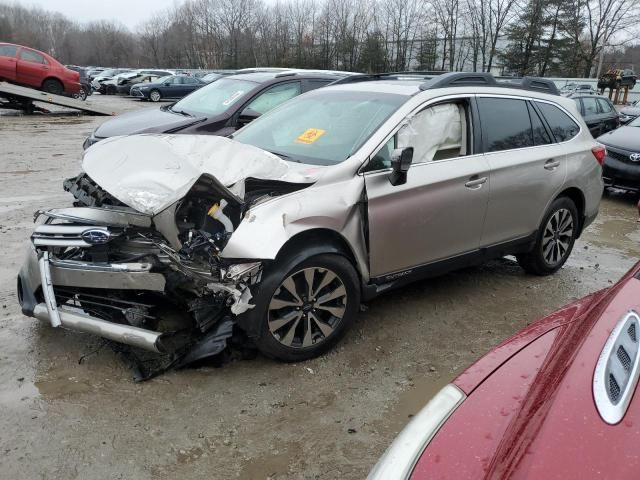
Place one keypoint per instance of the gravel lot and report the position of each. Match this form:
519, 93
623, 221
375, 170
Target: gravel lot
253, 419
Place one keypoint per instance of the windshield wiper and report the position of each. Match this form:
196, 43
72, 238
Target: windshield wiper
284, 156
181, 112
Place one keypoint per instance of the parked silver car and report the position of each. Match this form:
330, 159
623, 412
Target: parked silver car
179, 242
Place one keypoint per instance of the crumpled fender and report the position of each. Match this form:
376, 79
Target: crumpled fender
267, 227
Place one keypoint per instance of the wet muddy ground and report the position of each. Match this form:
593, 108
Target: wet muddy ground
254, 419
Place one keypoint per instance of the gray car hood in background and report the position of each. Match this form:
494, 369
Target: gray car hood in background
151, 172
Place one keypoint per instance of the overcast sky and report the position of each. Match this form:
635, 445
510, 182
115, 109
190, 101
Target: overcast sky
129, 12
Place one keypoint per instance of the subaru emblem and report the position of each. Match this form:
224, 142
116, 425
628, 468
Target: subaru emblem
96, 236
634, 157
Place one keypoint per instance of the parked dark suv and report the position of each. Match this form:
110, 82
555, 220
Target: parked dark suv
219, 108
598, 112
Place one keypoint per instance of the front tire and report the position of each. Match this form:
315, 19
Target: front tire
155, 96
554, 240
304, 309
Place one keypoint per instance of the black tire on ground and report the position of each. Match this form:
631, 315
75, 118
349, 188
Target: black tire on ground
51, 85
554, 240
282, 330
155, 96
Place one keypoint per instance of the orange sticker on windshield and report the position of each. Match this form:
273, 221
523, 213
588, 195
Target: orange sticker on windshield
310, 135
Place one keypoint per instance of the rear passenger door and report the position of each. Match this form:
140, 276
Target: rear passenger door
8, 62
527, 167
32, 69
190, 84
609, 115
592, 116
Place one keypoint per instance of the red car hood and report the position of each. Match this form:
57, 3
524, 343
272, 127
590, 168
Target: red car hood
530, 411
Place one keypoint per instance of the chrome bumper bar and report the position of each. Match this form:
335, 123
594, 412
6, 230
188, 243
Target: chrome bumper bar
81, 322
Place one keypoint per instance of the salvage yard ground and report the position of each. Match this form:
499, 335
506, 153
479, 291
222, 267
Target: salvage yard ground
328, 418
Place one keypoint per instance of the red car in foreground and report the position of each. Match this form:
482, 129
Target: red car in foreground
32, 68
554, 401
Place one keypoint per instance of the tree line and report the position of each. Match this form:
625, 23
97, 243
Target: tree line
537, 37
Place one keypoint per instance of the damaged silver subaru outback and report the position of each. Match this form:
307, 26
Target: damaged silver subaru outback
178, 244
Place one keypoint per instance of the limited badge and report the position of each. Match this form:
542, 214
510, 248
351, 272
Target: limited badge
310, 135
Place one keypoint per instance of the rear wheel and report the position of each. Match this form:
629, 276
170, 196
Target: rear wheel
554, 240
155, 96
52, 85
304, 310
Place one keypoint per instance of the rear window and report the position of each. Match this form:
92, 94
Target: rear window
506, 123
562, 126
8, 50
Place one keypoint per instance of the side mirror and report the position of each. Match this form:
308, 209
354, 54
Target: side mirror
247, 116
400, 165
166, 84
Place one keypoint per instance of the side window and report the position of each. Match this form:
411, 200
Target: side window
579, 105
540, 134
31, 56
274, 97
436, 133
8, 50
506, 123
604, 105
562, 126
590, 106
190, 80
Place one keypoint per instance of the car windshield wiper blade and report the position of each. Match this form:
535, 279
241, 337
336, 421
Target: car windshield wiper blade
284, 156
181, 112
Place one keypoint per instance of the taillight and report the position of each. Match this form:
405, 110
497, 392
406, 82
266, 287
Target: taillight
599, 152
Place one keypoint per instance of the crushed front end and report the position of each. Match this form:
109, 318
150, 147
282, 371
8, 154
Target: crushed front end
154, 282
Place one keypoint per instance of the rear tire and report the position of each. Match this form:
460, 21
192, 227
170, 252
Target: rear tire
155, 96
554, 240
304, 309
53, 86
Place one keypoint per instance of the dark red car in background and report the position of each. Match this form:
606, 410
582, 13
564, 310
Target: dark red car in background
32, 68
554, 401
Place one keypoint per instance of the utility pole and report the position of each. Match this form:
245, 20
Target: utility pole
601, 56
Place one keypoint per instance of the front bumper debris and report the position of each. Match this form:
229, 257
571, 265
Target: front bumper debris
64, 282
54, 272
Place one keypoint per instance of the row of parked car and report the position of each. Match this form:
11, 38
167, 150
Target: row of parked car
267, 205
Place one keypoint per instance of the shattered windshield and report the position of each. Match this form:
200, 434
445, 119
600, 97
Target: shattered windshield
215, 98
324, 127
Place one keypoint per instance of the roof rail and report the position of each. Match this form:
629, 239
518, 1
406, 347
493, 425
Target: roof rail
369, 77
475, 79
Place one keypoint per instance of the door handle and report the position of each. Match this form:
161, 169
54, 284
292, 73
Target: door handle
551, 164
475, 182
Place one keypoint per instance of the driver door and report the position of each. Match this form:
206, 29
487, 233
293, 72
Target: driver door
439, 212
